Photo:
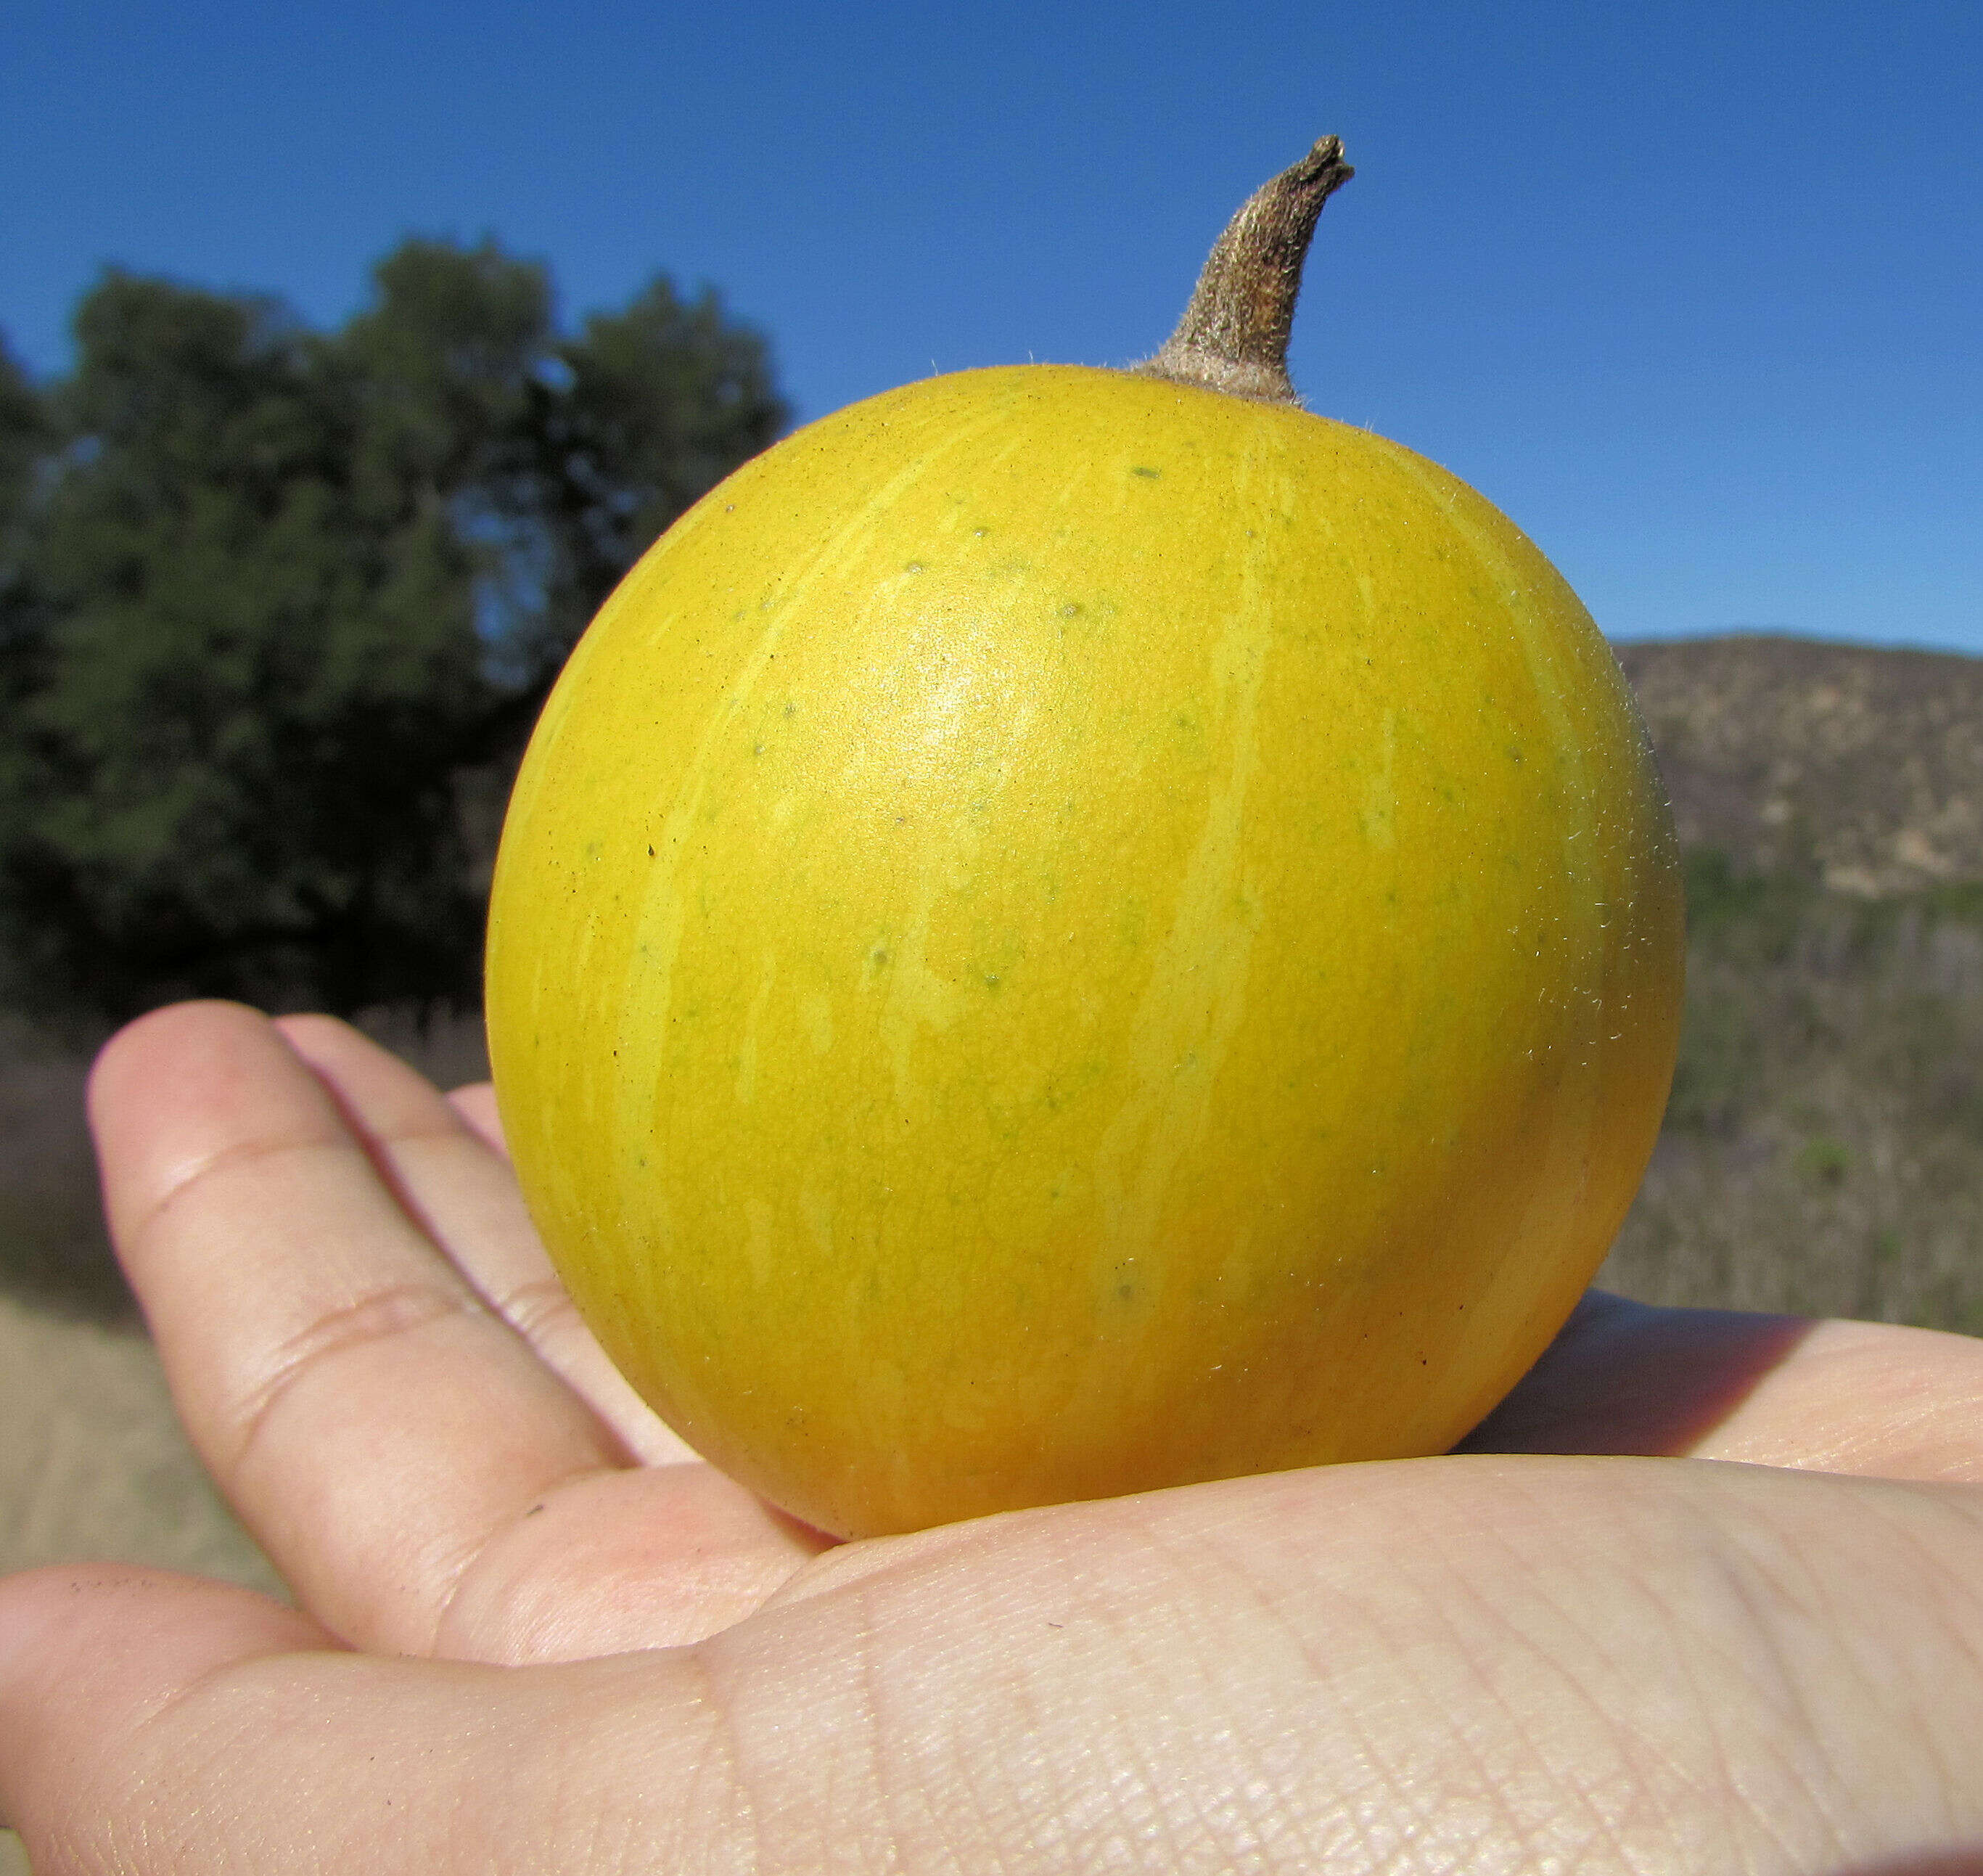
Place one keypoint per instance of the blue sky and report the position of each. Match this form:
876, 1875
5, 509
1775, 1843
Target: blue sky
1694, 292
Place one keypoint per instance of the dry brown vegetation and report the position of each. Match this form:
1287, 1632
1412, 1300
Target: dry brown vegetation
94, 1465
1823, 1151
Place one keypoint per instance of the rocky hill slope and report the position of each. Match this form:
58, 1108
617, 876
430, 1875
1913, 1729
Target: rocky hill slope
1863, 766
1823, 1150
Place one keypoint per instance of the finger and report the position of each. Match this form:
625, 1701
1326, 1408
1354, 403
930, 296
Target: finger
440, 1167
476, 1104
373, 1421
152, 1724
56, 1671
1872, 1399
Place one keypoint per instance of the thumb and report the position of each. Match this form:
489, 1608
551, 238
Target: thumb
151, 1724
90, 1656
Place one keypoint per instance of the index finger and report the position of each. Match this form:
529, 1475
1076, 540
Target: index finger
372, 1419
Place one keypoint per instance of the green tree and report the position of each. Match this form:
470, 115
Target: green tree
24, 435
274, 593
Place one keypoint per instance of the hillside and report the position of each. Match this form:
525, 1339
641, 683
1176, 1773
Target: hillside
1861, 767
1824, 1148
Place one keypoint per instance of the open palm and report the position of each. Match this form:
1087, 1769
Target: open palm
532, 1631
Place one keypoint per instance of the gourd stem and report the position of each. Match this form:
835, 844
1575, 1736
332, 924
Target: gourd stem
1234, 335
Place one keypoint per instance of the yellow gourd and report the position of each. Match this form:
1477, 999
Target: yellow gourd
1066, 932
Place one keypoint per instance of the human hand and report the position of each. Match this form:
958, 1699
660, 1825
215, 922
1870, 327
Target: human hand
532, 1632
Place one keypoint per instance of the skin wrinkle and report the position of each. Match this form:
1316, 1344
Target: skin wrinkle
1410, 1640
1955, 1649
542, 1313
411, 1156
1157, 1817
1683, 1626
394, 1311
1234, 1565
142, 1843
1056, 1580
1142, 1778
390, 1151
1257, 1808
1023, 1694
1495, 1792
1630, 1863
1021, 1660
1502, 1790
1080, 1623
1361, 1810
1613, 1822
201, 1169
1640, 1742
604, 1837
390, 1311
1225, 1823
1766, 1598
1344, 1714
539, 1308
482, 1557
1496, 1782
1173, 1822
1747, 1582
1269, 1813
718, 1763
1930, 1419
722, 1663
1013, 1690
212, 1697
1643, 1864
1187, 1564
1650, 1820
873, 1709
230, 1736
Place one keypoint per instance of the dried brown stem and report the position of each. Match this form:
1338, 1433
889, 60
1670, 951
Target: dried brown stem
1234, 335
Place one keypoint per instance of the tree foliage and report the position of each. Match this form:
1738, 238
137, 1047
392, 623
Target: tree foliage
268, 595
